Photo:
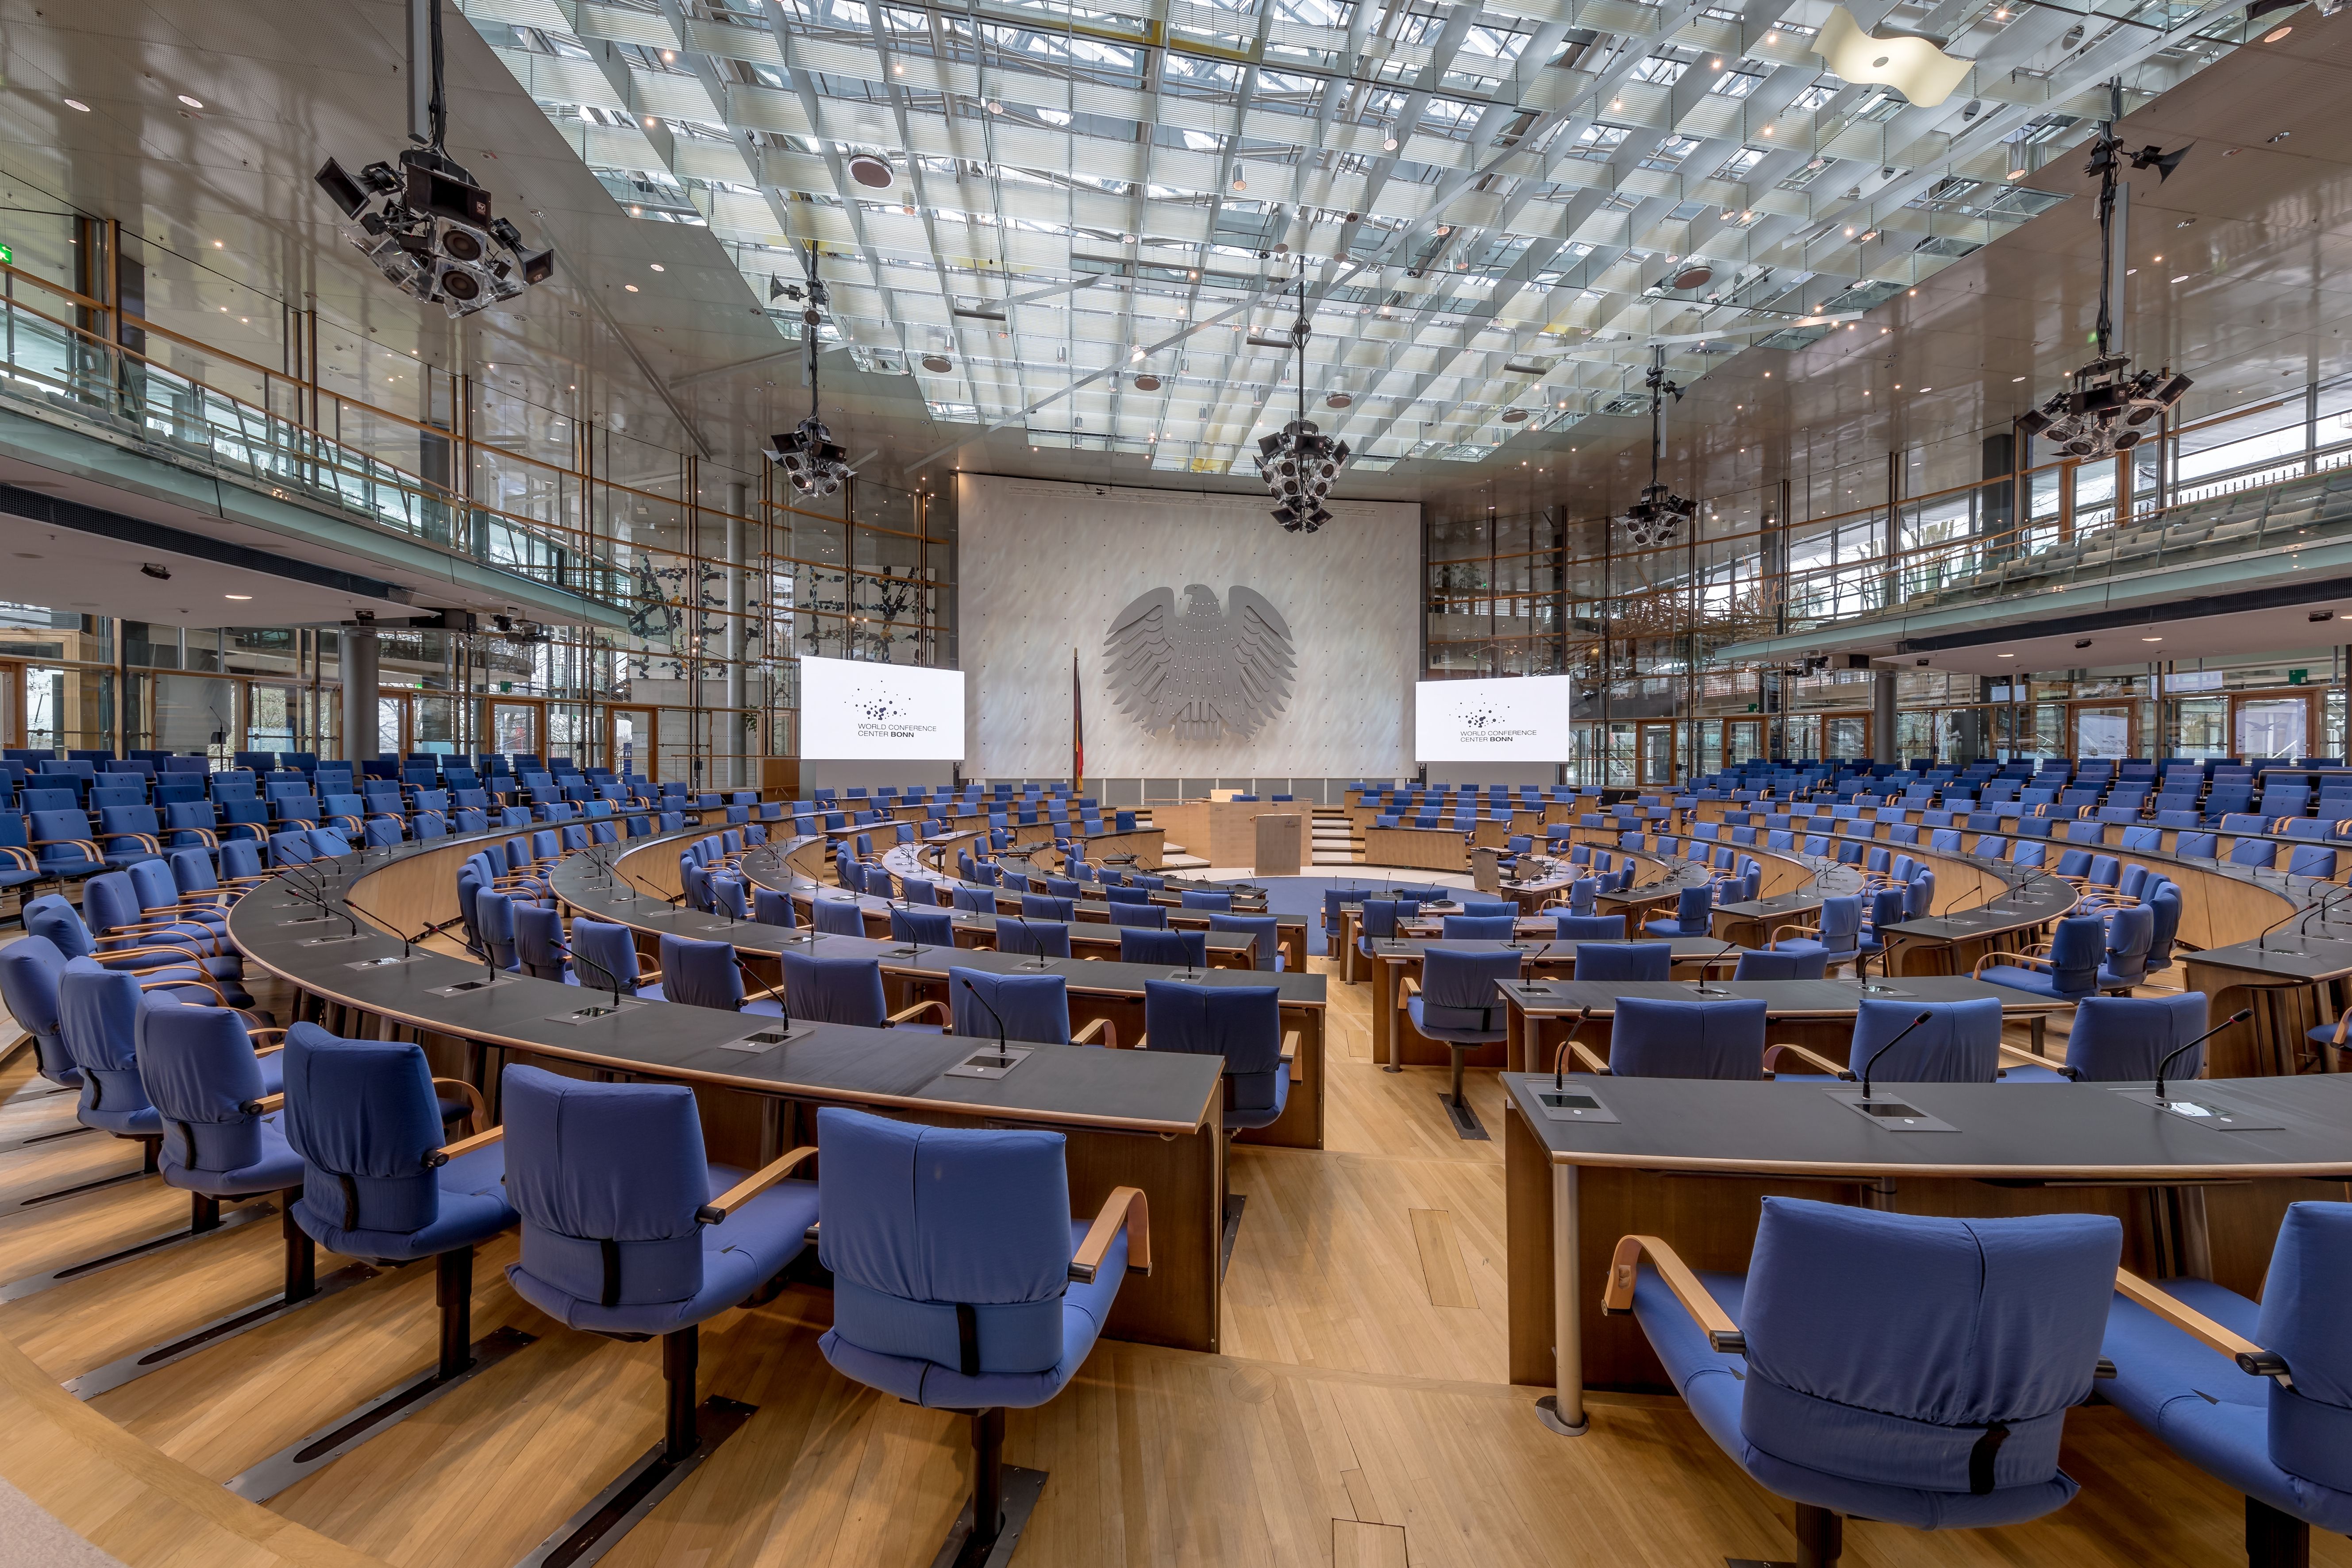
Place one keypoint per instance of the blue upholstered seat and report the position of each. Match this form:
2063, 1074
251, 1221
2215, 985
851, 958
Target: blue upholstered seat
1143, 944
708, 974
1697, 1037
839, 991
839, 916
539, 944
1779, 964
1960, 1043
199, 1069
1135, 912
30, 968
1459, 1007
1879, 1350
1589, 927
1026, 1006
1041, 939
1693, 908
2121, 1039
2069, 972
1264, 933
1624, 961
1478, 928
931, 927
604, 957
1242, 1023
1838, 933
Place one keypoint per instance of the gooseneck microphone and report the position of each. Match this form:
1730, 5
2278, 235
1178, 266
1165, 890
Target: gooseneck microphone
1001, 1047
1924, 1016
1559, 1081
782, 1007
2240, 1016
1700, 987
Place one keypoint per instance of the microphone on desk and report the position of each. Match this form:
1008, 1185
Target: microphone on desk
1700, 987
1924, 1016
671, 898
1559, 1083
1022, 921
782, 1007
2319, 908
2240, 1016
1001, 1047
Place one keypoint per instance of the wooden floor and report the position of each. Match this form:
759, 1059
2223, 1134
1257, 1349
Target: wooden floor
1358, 1418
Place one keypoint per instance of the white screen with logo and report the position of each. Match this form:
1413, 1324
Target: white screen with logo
855, 711
1519, 721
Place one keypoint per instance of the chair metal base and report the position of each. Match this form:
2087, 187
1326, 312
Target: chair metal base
34, 1284
596, 1529
1466, 1124
2275, 1539
1002, 1496
370, 1420
1821, 1541
1548, 1412
1231, 1220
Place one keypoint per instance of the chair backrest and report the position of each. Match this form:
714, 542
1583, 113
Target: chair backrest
1144, 944
1762, 965
361, 1114
700, 974
2300, 1320
837, 916
1048, 938
1839, 1302
1624, 961
607, 1178
1589, 927
1045, 907
30, 969
1840, 924
832, 990
1031, 1007
1698, 1037
1242, 1023
1479, 928
1960, 1043
932, 926
1195, 900
1136, 914
1265, 935
538, 940
605, 955
1457, 988
2130, 933
947, 1244
2077, 946
2123, 1039
200, 1072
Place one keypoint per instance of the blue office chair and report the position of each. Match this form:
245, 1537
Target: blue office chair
849, 991
961, 1282
1455, 1003
1154, 916
494, 923
539, 944
1242, 1023
630, 1231
1045, 906
30, 969
1264, 933
178, 964
773, 907
1694, 909
1581, 893
604, 957
2268, 1419
1960, 1043
1835, 932
2068, 972
708, 974
1589, 927
972, 901
1193, 900
1037, 939
1143, 944
1025, 1007
2130, 935
1633, 960
931, 927
1778, 965
1117, 893
1698, 1037
1478, 928
2122, 1039
1865, 1362
839, 916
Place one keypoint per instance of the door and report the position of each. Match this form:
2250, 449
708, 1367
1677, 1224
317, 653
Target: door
631, 743
395, 725
2105, 730
12, 704
1743, 741
514, 729
2272, 728
1655, 753
1845, 736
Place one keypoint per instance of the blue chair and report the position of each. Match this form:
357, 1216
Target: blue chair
1694, 912
630, 1231
2121, 1039
30, 969
494, 925
1455, 1003
932, 926
849, 991
2267, 1415
961, 1282
178, 965
1960, 1043
1885, 908
1033, 1007
1698, 1037
974, 901
1633, 960
1779, 965
1037, 939
1192, 899
2131, 932
839, 916
1836, 932
2068, 972
1489, 908
604, 958
1861, 1363
1242, 1024
1143, 944
1154, 916
1478, 928
1589, 927
1045, 907
1264, 933
539, 944
708, 974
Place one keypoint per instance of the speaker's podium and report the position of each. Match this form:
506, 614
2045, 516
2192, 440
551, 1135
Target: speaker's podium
1277, 845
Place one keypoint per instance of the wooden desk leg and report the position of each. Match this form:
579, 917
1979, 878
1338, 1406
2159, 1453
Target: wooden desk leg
1384, 1029
1562, 1410
1515, 1041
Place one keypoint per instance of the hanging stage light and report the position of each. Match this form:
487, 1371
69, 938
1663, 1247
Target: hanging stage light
426, 225
1653, 519
814, 463
2107, 408
1300, 464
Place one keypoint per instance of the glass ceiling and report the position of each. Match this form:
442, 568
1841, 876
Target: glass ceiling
1492, 208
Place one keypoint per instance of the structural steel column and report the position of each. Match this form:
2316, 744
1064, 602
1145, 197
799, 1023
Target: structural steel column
1882, 716
732, 642
357, 663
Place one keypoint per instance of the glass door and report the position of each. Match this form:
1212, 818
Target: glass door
631, 742
2271, 729
2106, 731
514, 729
394, 724
1655, 753
12, 705
1845, 736
46, 701
1743, 741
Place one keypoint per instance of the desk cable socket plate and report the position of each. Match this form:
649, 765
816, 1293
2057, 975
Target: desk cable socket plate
467, 987
2204, 1112
590, 1012
1575, 1103
389, 961
768, 1039
1890, 1111
989, 1063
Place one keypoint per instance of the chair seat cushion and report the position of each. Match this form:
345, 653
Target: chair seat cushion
738, 1256
472, 1208
276, 1168
1804, 944
2036, 981
1241, 1120
920, 1381
1667, 927
1457, 1037
2205, 1409
1713, 1386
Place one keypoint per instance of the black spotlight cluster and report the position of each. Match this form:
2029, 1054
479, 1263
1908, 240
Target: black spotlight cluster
811, 459
1298, 466
2108, 409
1653, 519
427, 227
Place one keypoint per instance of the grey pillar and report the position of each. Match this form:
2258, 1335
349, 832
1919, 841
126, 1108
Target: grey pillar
358, 664
740, 773
1882, 716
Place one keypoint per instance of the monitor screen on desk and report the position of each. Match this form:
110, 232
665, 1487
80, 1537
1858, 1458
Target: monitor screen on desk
852, 710
1524, 719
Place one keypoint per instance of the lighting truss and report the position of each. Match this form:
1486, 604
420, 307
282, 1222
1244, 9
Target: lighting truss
1300, 463
814, 463
1653, 519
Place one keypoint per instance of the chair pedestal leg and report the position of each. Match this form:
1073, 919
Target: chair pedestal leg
681, 1354
987, 1477
1466, 1124
302, 1252
1821, 1536
2275, 1539
453, 1291
988, 1531
204, 1213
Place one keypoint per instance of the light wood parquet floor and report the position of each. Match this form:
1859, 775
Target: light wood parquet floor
1358, 1417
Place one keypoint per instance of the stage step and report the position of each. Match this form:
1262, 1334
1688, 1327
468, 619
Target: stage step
1182, 863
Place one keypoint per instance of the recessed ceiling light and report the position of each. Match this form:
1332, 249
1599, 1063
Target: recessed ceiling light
630, 286
191, 102
76, 103
2275, 34
2183, 279
2151, 639
2004, 656
240, 598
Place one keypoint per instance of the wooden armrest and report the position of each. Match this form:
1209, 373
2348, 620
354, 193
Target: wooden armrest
645, 975
1588, 1061
483, 1139
1722, 1333
1127, 1207
1108, 1032
1409, 986
264, 1105
260, 1051
2252, 1359
947, 1014
752, 1185
266, 1029
1290, 1052
1812, 932
218, 1000
1772, 1055
477, 1111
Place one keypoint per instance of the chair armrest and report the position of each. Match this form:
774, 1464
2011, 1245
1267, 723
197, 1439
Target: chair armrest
643, 976
266, 1029
448, 1152
2025, 960
1408, 986
1722, 1333
752, 1185
23, 858
1126, 1206
477, 1111
1585, 1057
1290, 1052
264, 1105
946, 1014
2252, 1359
1772, 1055
95, 853
1811, 931
218, 1000
1108, 1032
2018, 1055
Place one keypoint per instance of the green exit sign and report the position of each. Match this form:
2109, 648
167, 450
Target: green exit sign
7, 255
2297, 676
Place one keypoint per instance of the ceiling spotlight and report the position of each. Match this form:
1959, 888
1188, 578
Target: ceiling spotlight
162, 573
1240, 185
2275, 34
814, 463
1300, 463
1338, 400
870, 170
191, 102
938, 364
77, 105
994, 107
1694, 275
1390, 145
240, 598
1147, 382
1513, 415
